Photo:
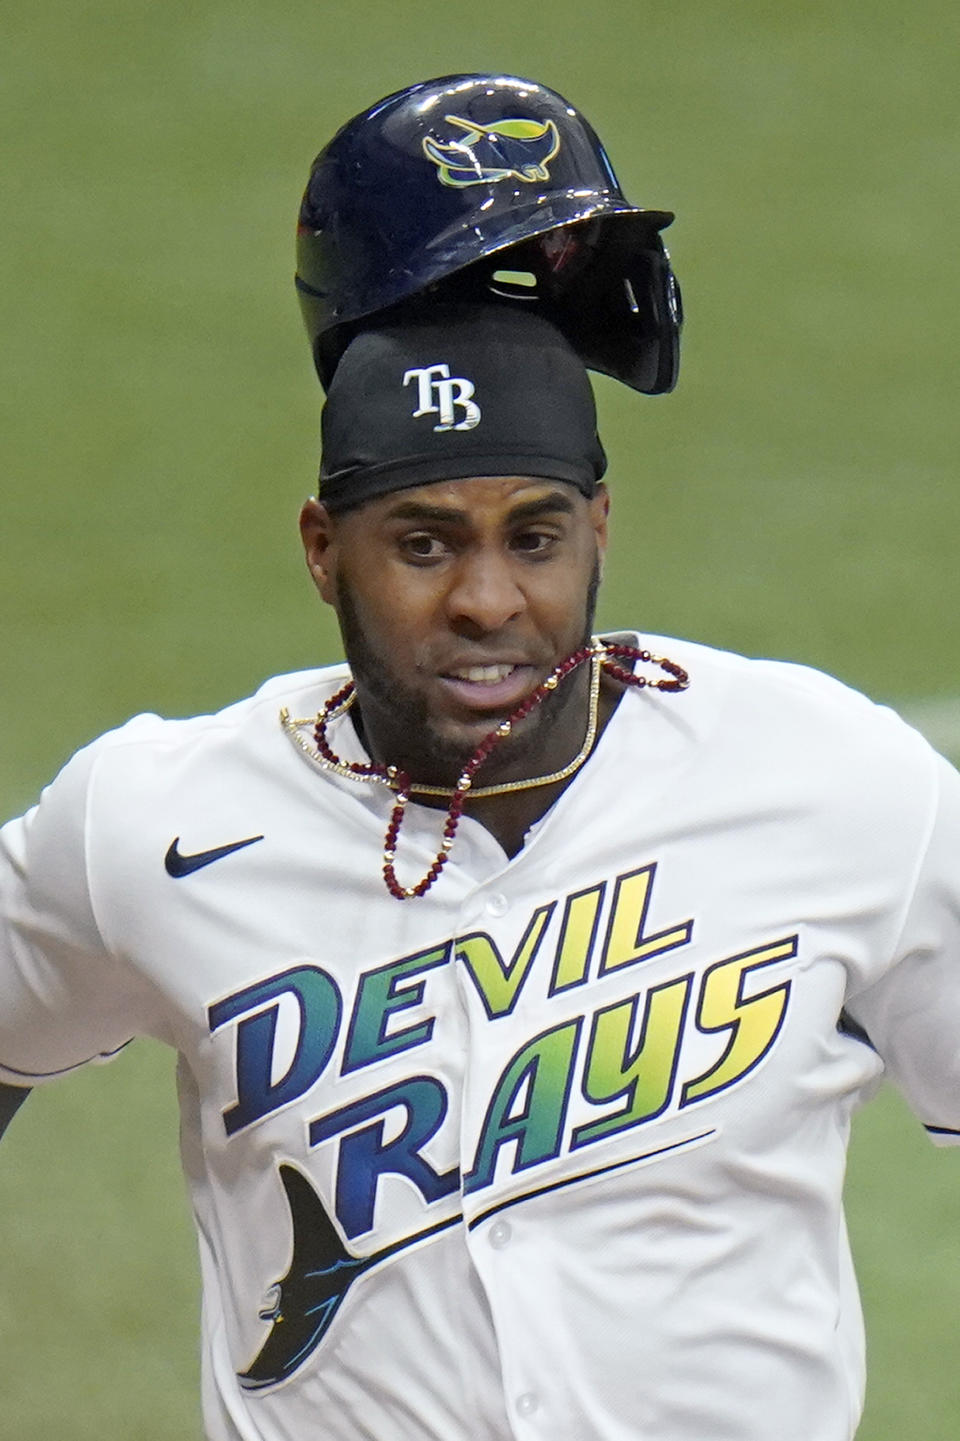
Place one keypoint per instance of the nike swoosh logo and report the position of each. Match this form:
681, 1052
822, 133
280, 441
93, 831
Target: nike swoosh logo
178, 865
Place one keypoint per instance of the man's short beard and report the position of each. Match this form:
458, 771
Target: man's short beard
408, 710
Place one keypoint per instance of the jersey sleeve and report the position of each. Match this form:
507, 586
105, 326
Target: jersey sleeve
64, 1000
912, 1013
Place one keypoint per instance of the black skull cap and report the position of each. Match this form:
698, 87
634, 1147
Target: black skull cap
454, 391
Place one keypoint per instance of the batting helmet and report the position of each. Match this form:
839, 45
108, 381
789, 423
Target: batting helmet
486, 187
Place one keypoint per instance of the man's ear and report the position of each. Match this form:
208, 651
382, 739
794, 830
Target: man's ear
318, 533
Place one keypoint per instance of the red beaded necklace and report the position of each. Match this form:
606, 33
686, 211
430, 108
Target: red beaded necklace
605, 653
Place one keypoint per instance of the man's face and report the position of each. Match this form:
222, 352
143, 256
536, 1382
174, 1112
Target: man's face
455, 601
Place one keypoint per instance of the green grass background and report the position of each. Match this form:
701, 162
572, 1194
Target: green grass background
797, 496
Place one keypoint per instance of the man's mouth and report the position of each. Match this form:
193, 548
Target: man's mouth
482, 674
495, 686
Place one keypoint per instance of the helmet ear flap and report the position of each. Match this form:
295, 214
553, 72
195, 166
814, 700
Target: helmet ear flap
623, 312
624, 318
614, 296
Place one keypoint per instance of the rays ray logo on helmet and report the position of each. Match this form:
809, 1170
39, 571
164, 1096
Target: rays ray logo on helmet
439, 393
516, 148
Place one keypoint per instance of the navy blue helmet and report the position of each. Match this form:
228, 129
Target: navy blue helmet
485, 187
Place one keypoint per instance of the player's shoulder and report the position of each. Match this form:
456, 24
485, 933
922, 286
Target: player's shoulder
770, 681
299, 691
794, 714
149, 750
123, 792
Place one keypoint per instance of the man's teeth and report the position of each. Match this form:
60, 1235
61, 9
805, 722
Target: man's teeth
484, 674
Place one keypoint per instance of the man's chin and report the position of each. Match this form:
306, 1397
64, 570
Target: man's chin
451, 744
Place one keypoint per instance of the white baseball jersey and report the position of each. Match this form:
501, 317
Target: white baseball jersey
555, 1151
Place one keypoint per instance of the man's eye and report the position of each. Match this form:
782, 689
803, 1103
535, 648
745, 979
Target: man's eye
534, 542
421, 546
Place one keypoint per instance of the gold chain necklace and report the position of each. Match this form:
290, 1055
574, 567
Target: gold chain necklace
603, 655
294, 728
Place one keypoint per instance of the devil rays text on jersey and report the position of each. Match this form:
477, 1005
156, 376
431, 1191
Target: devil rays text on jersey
626, 1063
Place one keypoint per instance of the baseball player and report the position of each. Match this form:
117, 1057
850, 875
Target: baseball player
523, 980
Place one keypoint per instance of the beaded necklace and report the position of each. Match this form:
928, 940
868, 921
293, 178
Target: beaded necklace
602, 655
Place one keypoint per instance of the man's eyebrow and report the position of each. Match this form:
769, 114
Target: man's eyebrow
555, 500
418, 510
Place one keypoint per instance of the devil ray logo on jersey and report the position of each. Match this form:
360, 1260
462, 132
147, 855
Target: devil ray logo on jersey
303, 1304
517, 148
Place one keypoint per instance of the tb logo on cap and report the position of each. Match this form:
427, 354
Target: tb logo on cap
439, 393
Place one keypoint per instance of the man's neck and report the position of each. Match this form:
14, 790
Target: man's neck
509, 816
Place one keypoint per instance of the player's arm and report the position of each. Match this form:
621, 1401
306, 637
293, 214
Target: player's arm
65, 998
912, 1013
11, 1099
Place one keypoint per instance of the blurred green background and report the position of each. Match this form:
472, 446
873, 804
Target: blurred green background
796, 497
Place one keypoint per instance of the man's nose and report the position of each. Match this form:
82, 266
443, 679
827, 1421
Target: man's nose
484, 592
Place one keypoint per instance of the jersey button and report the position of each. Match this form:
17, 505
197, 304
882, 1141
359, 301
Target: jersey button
500, 1234
527, 1403
498, 905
